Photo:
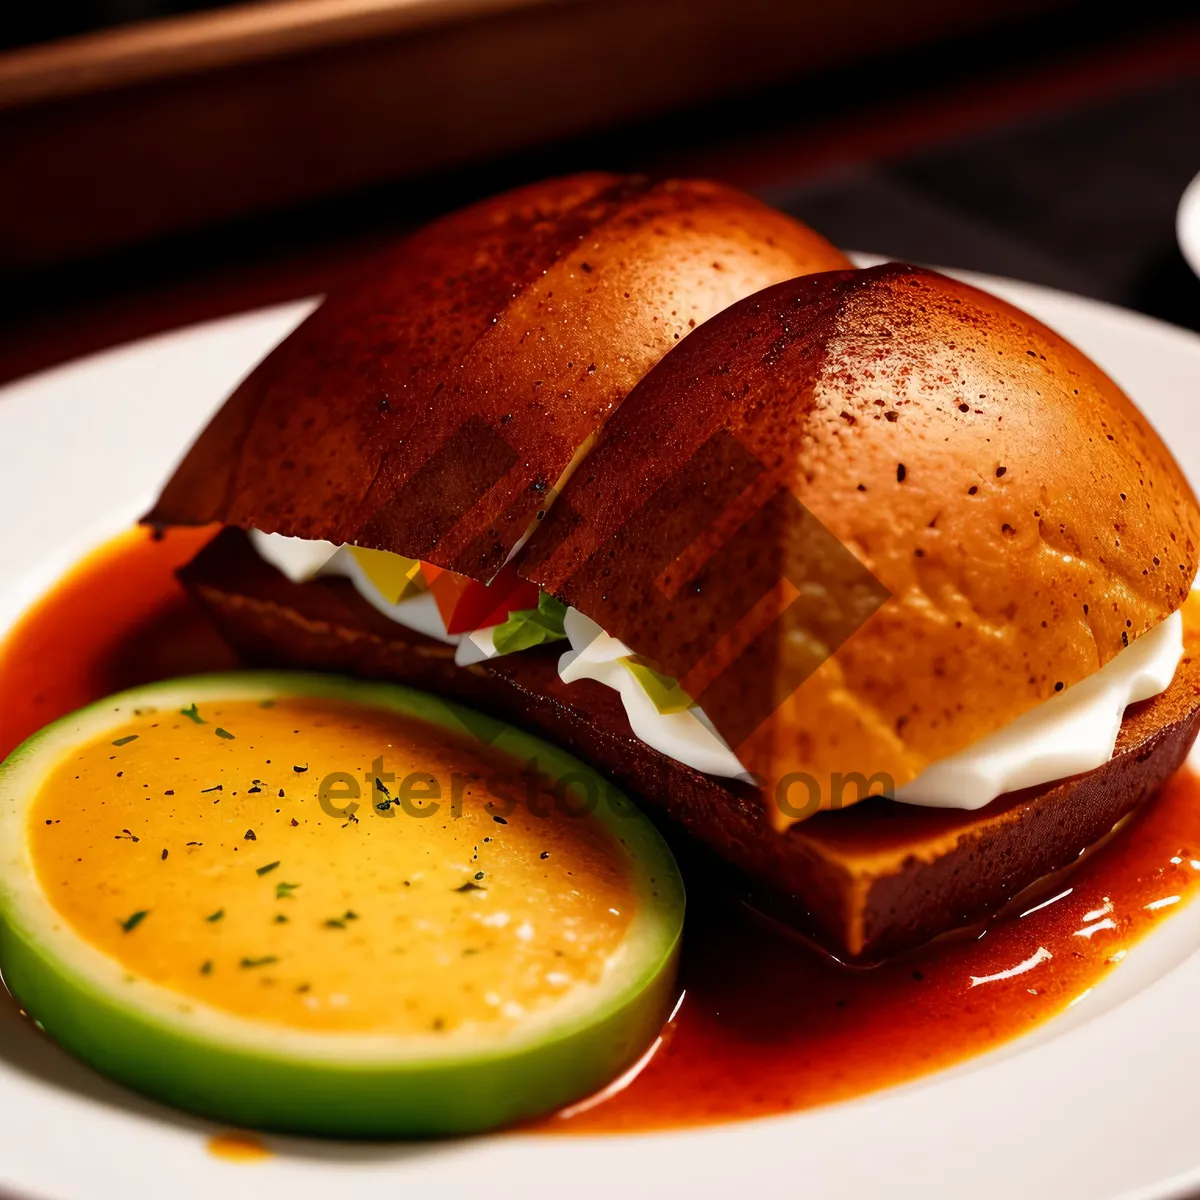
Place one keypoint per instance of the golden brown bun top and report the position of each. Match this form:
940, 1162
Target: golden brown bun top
430, 409
1022, 520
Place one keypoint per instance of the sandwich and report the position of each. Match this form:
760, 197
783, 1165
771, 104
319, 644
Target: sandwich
867, 582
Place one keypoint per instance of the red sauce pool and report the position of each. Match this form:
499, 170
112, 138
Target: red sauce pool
765, 1025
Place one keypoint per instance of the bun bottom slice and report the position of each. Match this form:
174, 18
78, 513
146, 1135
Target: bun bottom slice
865, 883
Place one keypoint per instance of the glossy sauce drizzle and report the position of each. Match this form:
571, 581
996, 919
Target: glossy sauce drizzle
765, 1026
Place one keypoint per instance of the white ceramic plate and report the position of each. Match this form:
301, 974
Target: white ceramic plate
1098, 1103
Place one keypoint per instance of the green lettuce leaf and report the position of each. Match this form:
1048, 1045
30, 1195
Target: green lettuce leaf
665, 693
531, 626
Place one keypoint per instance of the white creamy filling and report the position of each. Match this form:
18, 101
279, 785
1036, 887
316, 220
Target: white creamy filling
301, 560
297, 558
688, 737
1073, 732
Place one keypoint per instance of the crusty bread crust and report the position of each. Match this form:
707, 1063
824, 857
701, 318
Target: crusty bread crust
430, 408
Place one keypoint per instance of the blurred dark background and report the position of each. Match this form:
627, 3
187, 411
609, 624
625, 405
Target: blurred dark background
158, 171
29, 24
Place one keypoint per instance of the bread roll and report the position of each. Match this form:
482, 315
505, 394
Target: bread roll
432, 408
994, 521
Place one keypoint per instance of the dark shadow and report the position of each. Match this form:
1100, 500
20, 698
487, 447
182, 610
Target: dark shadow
1169, 290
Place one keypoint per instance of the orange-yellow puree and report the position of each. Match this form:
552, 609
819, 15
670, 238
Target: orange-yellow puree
389, 923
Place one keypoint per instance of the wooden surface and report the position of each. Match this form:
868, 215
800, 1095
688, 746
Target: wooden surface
1059, 166
99, 154
158, 50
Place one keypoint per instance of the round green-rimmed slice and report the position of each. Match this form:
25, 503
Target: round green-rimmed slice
313, 904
